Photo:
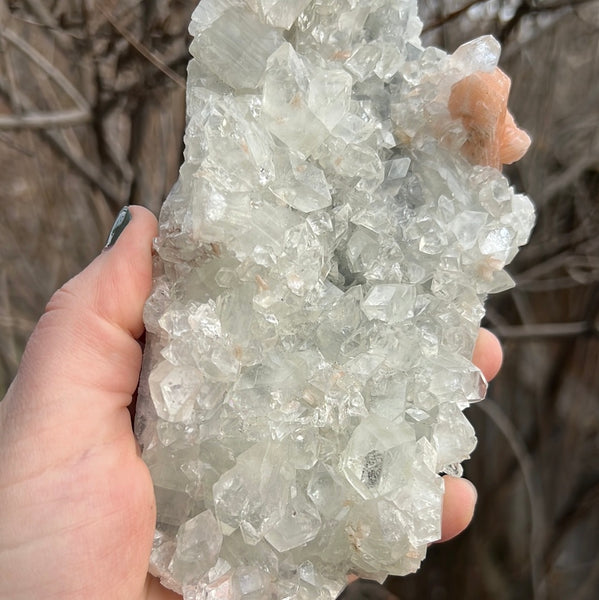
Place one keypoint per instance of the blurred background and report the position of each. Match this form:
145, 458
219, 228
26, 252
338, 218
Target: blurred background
91, 118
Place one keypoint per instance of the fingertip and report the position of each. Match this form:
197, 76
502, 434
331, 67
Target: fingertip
126, 277
145, 218
487, 355
459, 502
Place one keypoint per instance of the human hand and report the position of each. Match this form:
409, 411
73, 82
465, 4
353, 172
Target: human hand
76, 501
77, 508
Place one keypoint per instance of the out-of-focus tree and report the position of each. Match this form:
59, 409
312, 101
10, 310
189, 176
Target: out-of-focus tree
91, 118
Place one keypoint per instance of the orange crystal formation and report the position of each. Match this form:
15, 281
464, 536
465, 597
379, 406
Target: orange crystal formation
480, 101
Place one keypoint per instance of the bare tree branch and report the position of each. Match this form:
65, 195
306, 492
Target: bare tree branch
531, 331
86, 168
528, 7
55, 74
451, 16
48, 120
145, 52
533, 488
47, 20
562, 180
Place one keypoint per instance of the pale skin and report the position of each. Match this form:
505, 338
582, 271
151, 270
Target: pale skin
77, 508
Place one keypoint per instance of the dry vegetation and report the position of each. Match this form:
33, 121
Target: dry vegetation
91, 118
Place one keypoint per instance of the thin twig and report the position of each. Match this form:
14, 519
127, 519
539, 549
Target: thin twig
145, 52
586, 502
55, 74
8, 141
451, 16
526, 8
580, 245
533, 488
10, 74
589, 586
86, 168
566, 178
46, 18
11, 322
542, 330
549, 285
560, 5
41, 12
45, 120
9, 344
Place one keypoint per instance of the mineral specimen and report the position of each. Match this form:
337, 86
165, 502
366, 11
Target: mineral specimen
320, 275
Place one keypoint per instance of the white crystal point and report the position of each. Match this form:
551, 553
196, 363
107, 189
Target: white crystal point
280, 13
301, 184
390, 302
292, 91
321, 269
235, 47
481, 54
299, 524
174, 391
379, 456
199, 542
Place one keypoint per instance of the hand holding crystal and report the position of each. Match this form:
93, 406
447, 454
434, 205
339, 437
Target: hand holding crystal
77, 508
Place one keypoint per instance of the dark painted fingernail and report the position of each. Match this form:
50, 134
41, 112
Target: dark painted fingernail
122, 220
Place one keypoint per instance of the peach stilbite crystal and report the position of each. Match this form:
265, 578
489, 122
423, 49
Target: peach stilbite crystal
480, 101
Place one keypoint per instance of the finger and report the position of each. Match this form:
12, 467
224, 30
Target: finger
82, 361
487, 355
458, 506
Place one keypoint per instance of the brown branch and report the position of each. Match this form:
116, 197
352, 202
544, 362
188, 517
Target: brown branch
526, 8
587, 589
549, 285
10, 74
451, 16
45, 120
55, 74
523, 10
41, 12
585, 502
8, 141
559, 5
566, 178
15, 323
145, 52
46, 18
86, 168
542, 330
533, 488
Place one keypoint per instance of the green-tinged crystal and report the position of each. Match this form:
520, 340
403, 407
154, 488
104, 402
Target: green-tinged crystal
319, 282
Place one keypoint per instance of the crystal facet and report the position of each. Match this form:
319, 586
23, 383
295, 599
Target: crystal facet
320, 274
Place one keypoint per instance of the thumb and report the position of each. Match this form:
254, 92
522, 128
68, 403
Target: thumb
82, 361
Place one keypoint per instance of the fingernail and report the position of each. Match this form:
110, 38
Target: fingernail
122, 220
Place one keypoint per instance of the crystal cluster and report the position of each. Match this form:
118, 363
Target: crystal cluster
320, 275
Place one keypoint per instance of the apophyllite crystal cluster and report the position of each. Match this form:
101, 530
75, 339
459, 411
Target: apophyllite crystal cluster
320, 275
